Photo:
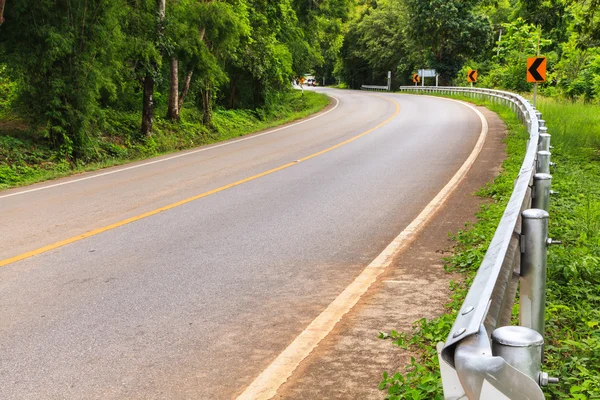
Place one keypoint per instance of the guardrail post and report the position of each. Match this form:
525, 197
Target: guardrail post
543, 162
544, 140
520, 347
534, 242
541, 191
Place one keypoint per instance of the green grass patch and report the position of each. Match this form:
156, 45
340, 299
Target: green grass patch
27, 157
575, 126
573, 295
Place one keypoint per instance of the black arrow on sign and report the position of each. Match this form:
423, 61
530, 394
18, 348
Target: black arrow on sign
471, 77
533, 69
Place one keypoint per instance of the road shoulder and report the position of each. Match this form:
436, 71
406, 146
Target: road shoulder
348, 363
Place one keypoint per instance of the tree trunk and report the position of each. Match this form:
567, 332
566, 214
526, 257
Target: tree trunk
186, 89
232, 87
173, 110
148, 106
206, 106
161, 4
2, 11
148, 100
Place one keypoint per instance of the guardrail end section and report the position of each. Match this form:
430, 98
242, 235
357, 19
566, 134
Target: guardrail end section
487, 377
453, 390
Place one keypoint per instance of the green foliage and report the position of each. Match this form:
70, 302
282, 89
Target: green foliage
552, 16
26, 158
578, 71
508, 69
375, 45
7, 91
325, 23
573, 292
68, 67
446, 33
60, 53
575, 126
568, 35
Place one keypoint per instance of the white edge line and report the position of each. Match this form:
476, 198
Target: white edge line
265, 386
210, 147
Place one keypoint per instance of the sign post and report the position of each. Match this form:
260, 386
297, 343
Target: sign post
472, 76
536, 72
426, 73
416, 79
389, 82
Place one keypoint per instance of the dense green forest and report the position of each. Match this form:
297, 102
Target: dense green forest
73, 68
72, 71
494, 37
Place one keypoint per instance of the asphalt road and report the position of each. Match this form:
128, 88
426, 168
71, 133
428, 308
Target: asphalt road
195, 301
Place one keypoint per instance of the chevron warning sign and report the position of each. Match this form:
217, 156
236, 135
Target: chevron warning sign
536, 69
472, 75
416, 78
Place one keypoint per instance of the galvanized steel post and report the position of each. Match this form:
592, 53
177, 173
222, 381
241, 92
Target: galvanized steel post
534, 242
543, 162
541, 191
544, 141
520, 347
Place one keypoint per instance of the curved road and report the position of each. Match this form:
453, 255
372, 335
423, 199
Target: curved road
195, 301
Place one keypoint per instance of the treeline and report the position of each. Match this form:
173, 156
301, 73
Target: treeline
67, 67
67, 64
494, 37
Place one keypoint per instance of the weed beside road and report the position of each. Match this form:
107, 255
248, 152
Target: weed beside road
573, 293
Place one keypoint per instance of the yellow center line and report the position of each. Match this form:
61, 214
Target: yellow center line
94, 232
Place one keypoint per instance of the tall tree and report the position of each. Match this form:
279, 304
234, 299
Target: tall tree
445, 33
62, 54
173, 106
149, 79
375, 44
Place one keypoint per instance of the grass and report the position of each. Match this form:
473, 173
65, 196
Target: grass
26, 157
573, 292
573, 125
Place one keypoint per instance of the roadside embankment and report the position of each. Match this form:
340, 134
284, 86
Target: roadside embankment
27, 157
573, 291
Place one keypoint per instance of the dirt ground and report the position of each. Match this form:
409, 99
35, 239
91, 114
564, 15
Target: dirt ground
349, 362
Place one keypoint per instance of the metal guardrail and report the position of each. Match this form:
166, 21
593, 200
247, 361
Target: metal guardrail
484, 357
374, 87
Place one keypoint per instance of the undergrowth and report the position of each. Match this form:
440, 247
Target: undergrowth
26, 156
573, 294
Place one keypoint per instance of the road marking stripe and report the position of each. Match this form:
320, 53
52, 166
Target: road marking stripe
175, 156
265, 386
190, 199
